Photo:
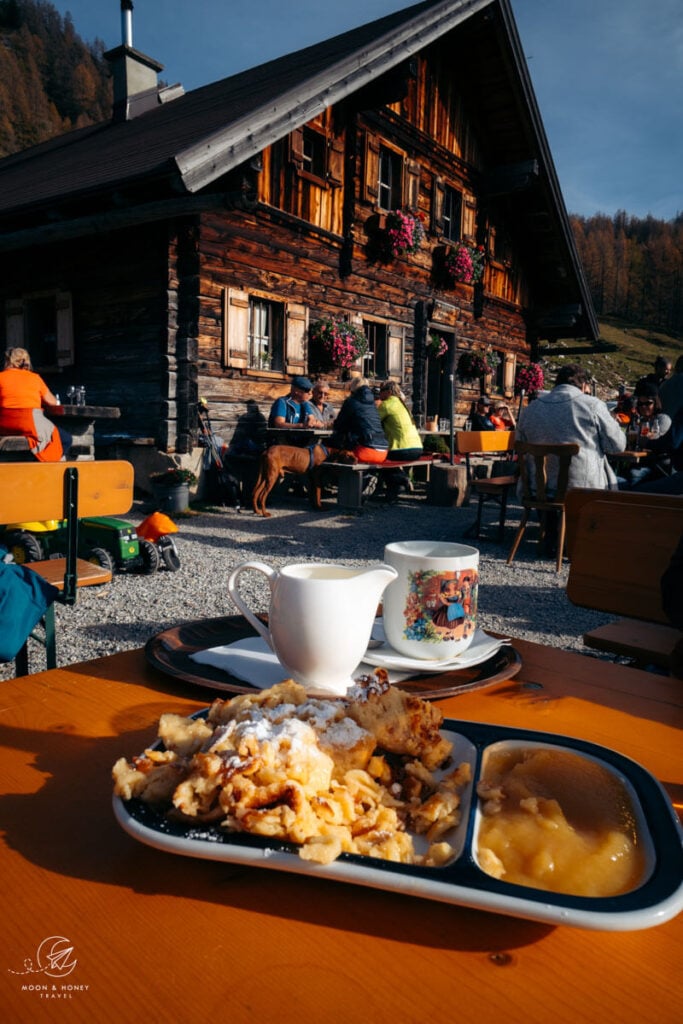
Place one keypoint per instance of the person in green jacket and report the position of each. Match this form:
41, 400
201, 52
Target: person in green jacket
402, 434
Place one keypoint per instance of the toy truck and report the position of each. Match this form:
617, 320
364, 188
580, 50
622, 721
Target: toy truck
112, 543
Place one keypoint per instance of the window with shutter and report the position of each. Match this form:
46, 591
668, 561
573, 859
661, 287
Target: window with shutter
446, 210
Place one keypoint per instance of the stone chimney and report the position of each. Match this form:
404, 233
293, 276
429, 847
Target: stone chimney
136, 84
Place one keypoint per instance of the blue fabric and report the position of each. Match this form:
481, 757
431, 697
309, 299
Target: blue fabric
24, 599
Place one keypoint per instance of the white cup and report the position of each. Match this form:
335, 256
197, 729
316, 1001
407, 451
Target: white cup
430, 610
319, 619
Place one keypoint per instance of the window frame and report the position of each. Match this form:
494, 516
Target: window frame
391, 189
319, 141
451, 223
18, 333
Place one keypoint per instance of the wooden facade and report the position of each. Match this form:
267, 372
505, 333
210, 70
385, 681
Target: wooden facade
165, 299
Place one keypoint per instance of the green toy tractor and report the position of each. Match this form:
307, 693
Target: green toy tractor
104, 540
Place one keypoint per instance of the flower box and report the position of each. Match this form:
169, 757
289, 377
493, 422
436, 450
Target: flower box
404, 232
463, 264
529, 378
473, 366
336, 344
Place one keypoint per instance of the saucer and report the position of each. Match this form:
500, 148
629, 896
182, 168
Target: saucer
384, 656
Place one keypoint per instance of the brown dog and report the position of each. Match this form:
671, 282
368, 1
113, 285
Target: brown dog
281, 459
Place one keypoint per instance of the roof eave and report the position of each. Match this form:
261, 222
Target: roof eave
201, 164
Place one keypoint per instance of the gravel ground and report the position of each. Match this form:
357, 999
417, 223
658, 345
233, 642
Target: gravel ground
526, 599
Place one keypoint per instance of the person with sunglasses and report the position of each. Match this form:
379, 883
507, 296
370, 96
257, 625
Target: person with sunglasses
653, 422
653, 427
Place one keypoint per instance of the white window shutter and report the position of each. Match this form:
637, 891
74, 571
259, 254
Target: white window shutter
14, 323
65, 329
235, 341
296, 329
395, 345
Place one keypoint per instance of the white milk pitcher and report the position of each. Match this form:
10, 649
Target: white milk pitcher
320, 618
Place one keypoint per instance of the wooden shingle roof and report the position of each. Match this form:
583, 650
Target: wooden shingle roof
184, 146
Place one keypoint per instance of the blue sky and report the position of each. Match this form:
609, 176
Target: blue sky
608, 75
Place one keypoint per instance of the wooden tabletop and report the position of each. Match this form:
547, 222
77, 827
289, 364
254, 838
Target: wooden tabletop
96, 412
628, 456
153, 934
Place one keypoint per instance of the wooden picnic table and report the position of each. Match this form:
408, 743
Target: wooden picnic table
152, 933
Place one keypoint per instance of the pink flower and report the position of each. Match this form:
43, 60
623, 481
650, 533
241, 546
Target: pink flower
404, 232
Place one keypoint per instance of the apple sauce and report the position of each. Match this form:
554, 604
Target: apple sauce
556, 820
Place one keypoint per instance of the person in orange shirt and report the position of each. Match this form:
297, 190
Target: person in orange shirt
502, 418
23, 394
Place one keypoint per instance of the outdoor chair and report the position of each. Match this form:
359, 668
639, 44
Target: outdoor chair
539, 466
65, 491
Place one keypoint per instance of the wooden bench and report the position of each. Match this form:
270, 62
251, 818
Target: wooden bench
15, 448
38, 491
578, 497
621, 543
350, 476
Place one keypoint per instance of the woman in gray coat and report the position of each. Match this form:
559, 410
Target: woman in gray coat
568, 414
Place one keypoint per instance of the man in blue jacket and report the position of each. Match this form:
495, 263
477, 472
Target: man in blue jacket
294, 409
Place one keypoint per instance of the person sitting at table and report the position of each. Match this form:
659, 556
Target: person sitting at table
481, 417
653, 436
654, 422
502, 418
669, 476
570, 414
296, 408
325, 411
624, 410
23, 394
402, 434
358, 428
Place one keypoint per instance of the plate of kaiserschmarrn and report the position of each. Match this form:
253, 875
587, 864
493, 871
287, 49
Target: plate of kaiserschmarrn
377, 789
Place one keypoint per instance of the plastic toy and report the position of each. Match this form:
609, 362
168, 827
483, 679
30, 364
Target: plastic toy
107, 541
